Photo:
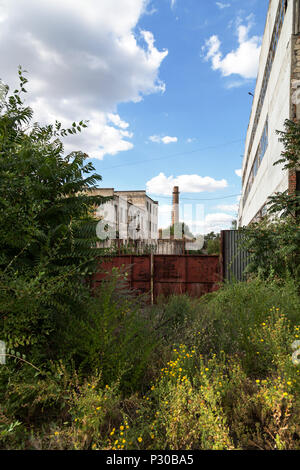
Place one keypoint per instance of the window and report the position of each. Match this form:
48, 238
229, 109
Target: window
256, 165
261, 150
272, 51
264, 141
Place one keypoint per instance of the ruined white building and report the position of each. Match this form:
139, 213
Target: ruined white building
129, 214
275, 100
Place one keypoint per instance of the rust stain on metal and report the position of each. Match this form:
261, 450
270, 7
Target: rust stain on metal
166, 274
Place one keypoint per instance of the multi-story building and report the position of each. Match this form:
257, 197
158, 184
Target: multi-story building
276, 98
129, 214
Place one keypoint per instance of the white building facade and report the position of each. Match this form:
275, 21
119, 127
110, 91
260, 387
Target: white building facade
129, 215
278, 85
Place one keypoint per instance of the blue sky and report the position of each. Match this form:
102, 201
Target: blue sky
164, 84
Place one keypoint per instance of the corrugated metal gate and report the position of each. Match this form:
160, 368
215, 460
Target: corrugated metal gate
137, 267
234, 258
178, 274
193, 275
167, 274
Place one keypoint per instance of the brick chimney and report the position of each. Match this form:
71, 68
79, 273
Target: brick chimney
175, 205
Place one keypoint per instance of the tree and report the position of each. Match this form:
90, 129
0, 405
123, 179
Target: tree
212, 243
287, 204
234, 225
47, 229
274, 242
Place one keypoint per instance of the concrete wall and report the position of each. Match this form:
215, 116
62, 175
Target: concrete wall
135, 197
277, 105
149, 210
153, 217
129, 210
159, 247
106, 192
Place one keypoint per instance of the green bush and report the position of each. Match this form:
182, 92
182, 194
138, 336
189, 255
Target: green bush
226, 318
115, 335
210, 373
48, 240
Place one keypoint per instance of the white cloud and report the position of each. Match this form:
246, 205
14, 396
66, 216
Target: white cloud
83, 61
165, 208
102, 138
168, 140
217, 222
212, 45
243, 61
173, 2
239, 173
164, 140
117, 121
223, 5
163, 184
214, 222
155, 138
150, 9
164, 215
237, 83
228, 207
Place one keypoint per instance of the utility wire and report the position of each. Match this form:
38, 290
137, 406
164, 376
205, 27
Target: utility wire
138, 162
195, 199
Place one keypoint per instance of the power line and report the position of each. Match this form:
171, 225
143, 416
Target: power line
195, 199
138, 162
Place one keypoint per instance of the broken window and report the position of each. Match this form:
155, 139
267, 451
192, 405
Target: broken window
261, 150
272, 51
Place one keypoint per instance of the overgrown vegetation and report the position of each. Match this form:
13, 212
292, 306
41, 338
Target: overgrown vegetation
47, 232
274, 242
217, 374
212, 243
97, 367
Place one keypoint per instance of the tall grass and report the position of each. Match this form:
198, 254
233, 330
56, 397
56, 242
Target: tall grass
209, 373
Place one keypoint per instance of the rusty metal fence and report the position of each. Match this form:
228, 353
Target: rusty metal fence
189, 274
194, 275
157, 275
